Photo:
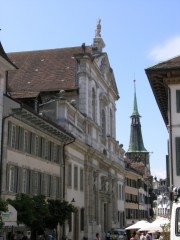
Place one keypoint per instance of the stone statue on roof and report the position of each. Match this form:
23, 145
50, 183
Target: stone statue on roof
98, 29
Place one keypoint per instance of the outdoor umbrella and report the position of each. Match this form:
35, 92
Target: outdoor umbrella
155, 226
138, 225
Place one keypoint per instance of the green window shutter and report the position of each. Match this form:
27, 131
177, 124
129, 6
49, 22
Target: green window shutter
178, 101
178, 156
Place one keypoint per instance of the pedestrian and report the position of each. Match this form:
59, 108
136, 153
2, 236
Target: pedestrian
97, 236
137, 236
132, 237
13, 237
108, 235
148, 236
142, 237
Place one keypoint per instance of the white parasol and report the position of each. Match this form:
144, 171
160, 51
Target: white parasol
138, 225
156, 226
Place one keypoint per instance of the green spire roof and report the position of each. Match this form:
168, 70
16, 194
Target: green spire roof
135, 110
136, 140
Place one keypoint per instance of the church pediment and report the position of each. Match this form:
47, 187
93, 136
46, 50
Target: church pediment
106, 71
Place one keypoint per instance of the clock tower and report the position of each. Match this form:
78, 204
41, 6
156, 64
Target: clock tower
137, 153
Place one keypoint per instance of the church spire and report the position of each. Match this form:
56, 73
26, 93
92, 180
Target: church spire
136, 141
135, 110
136, 151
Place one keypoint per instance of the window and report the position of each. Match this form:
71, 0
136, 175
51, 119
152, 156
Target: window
69, 175
75, 177
13, 179
37, 146
13, 137
93, 104
178, 156
26, 142
82, 219
46, 149
103, 123
48, 185
25, 181
33, 137
81, 179
120, 194
36, 183
20, 138
178, 101
54, 153
58, 187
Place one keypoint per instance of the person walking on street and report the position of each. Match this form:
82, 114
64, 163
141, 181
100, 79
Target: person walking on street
97, 236
108, 235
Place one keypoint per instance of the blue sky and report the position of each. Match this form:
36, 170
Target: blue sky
137, 35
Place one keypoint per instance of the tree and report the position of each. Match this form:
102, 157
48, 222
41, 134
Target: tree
60, 211
32, 211
38, 214
3, 208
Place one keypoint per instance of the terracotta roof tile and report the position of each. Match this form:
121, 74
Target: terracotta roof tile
44, 70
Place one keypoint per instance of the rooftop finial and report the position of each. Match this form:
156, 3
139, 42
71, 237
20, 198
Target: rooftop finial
98, 29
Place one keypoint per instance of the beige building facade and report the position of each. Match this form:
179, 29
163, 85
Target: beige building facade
59, 134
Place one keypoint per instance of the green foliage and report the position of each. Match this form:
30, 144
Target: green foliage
25, 209
60, 211
37, 213
3, 208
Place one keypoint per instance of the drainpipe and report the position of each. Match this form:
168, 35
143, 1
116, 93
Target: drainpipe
64, 182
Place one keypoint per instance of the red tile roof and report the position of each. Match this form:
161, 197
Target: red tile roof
44, 70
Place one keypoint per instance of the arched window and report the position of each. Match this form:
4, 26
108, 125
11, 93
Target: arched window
93, 104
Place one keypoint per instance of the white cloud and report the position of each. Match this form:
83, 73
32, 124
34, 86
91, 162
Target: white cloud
168, 49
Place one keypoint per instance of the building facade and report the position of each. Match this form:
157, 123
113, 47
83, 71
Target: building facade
74, 90
164, 80
161, 203
137, 197
138, 203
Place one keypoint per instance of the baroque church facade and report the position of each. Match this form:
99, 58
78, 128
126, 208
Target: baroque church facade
60, 128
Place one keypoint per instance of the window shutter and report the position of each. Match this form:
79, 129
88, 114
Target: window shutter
9, 133
178, 156
17, 137
53, 186
178, 101
21, 140
19, 179
40, 147
32, 144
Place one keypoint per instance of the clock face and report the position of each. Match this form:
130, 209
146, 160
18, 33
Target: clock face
139, 157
